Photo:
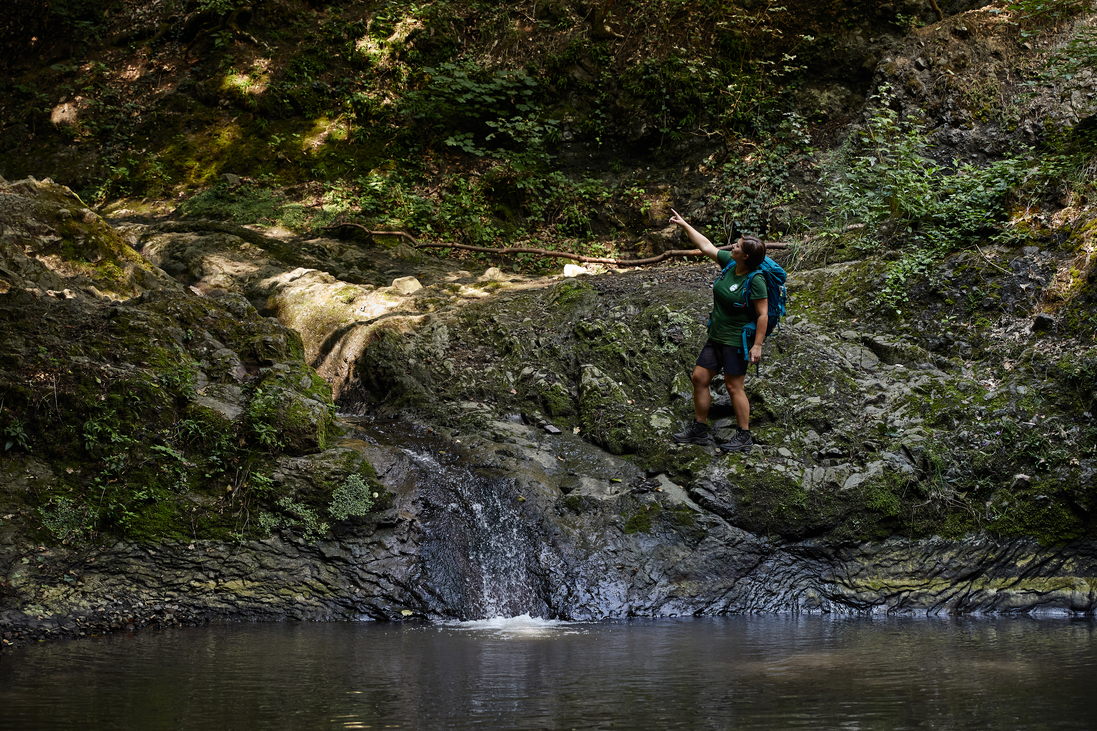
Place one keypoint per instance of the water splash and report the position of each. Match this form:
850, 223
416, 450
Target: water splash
481, 558
521, 627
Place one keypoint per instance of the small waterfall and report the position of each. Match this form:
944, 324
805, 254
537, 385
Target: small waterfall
480, 553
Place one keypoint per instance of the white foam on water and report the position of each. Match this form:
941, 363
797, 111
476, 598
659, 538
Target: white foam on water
522, 626
422, 459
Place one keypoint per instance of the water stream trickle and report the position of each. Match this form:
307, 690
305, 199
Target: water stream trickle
481, 549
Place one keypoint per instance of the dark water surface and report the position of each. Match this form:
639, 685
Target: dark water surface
716, 673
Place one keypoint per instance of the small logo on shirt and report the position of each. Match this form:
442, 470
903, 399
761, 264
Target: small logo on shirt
733, 287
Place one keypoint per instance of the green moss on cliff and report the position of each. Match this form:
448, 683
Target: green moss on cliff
141, 413
775, 503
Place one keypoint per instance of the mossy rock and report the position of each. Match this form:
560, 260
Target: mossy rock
556, 399
606, 416
336, 489
56, 242
142, 408
291, 407
776, 504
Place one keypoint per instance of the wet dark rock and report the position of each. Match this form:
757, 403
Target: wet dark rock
870, 448
459, 543
715, 499
1043, 322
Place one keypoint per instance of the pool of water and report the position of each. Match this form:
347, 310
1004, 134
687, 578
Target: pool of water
527, 673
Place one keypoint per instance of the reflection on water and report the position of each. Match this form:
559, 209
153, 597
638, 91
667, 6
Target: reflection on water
529, 673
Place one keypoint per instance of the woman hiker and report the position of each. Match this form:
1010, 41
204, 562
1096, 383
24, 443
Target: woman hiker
724, 348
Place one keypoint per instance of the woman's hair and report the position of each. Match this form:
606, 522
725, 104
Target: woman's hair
755, 249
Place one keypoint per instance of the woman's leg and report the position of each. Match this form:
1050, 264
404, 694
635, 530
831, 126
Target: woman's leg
697, 432
738, 392
702, 396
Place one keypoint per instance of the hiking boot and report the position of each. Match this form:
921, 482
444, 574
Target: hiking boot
741, 442
695, 433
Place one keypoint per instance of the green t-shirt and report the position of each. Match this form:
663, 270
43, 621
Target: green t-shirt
727, 320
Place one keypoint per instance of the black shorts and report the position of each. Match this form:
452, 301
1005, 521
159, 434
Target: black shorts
719, 357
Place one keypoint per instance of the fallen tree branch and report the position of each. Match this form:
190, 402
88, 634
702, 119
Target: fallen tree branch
585, 259
566, 254
543, 252
371, 232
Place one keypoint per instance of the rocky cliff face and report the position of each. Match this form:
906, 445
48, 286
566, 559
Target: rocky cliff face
135, 409
901, 467
171, 451
486, 530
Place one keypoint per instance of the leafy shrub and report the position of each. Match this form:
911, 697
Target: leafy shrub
245, 204
264, 410
16, 435
353, 498
269, 522
752, 192
482, 112
884, 175
1078, 55
301, 517
66, 520
1036, 13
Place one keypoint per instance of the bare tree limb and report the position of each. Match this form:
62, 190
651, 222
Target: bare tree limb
586, 259
543, 252
371, 232
566, 254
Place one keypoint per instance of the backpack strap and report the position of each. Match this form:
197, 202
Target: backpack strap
746, 285
748, 332
751, 327
746, 288
724, 271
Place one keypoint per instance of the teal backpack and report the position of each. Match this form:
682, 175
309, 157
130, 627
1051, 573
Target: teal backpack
775, 292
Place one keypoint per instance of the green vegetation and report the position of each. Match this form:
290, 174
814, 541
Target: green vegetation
884, 182
152, 450
489, 125
15, 435
300, 516
753, 193
484, 113
451, 120
883, 185
641, 520
1042, 13
353, 498
66, 521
